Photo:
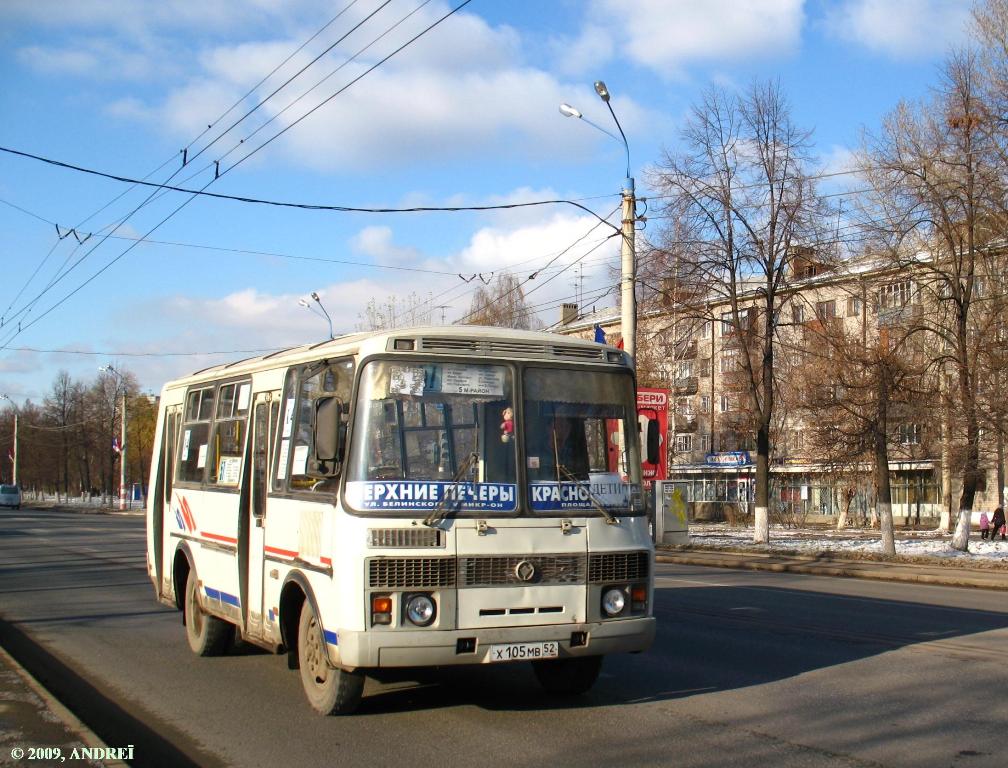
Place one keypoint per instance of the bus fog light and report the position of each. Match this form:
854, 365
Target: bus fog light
613, 601
420, 610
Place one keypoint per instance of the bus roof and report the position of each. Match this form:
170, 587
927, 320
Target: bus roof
463, 340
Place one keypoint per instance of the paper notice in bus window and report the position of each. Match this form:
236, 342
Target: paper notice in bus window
300, 464
243, 396
282, 463
201, 457
288, 421
406, 381
185, 445
472, 380
229, 470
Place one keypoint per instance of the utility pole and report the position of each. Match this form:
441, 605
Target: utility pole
122, 440
628, 259
628, 269
14, 471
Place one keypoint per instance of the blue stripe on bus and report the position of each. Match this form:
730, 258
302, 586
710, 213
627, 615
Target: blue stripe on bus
330, 637
222, 597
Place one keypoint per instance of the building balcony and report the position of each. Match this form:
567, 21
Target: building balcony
687, 386
685, 350
685, 424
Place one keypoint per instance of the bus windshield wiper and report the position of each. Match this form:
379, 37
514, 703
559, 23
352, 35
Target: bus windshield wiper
440, 512
561, 469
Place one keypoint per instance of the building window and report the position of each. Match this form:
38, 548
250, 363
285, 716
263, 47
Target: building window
684, 369
825, 310
684, 407
726, 324
894, 295
798, 439
705, 442
853, 306
798, 314
909, 434
729, 360
705, 329
705, 367
705, 401
725, 404
684, 443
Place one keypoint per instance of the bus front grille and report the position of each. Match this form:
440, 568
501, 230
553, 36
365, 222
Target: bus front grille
618, 566
411, 572
521, 570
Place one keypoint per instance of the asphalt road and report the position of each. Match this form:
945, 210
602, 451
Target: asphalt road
748, 669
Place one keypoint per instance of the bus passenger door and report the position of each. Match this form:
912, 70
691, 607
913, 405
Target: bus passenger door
264, 424
164, 523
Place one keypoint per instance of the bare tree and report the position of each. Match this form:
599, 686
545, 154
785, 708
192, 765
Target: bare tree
502, 304
936, 187
741, 191
396, 312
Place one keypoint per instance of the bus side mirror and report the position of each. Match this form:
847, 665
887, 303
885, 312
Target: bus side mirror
652, 441
328, 436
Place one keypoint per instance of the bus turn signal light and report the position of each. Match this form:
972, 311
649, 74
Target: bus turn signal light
381, 609
638, 598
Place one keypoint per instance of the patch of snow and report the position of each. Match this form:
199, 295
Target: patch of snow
922, 544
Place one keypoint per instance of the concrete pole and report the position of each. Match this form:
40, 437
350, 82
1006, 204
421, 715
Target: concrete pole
628, 271
122, 454
15, 446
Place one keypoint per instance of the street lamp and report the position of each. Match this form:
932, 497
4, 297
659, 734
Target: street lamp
628, 266
304, 303
15, 461
122, 440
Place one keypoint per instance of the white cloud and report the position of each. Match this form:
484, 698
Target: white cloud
376, 243
589, 51
667, 34
901, 28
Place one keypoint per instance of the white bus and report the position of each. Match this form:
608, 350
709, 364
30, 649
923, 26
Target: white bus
411, 498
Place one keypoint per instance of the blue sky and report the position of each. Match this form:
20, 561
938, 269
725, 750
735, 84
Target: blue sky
468, 115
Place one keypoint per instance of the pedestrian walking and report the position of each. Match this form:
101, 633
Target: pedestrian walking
984, 525
998, 523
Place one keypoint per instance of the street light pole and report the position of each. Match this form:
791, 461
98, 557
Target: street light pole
628, 256
15, 470
122, 439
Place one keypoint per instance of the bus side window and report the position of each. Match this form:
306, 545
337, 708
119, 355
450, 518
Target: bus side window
195, 435
302, 389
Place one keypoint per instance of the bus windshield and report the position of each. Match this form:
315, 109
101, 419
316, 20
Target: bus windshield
581, 445
429, 434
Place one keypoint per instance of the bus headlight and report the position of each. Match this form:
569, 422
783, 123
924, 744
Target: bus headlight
613, 602
420, 610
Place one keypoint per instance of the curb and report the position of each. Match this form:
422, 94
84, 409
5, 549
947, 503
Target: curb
857, 569
54, 705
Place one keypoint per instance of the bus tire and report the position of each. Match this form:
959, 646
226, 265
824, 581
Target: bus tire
207, 635
569, 676
330, 690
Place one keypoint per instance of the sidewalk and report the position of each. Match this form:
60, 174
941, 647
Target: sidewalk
33, 725
823, 565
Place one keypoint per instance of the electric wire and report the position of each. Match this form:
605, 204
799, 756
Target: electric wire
66, 297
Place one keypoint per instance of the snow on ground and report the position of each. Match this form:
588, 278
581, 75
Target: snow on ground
918, 545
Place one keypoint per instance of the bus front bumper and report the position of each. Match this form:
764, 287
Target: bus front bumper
420, 648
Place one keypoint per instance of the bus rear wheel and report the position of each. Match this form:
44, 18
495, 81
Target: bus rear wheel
568, 676
330, 690
207, 635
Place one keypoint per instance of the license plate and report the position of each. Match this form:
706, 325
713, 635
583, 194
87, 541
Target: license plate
524, 651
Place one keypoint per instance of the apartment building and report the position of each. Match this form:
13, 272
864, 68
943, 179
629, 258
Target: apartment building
692, 348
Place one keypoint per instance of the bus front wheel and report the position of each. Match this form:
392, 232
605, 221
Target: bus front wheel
568, 676
207, 635
330, 690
